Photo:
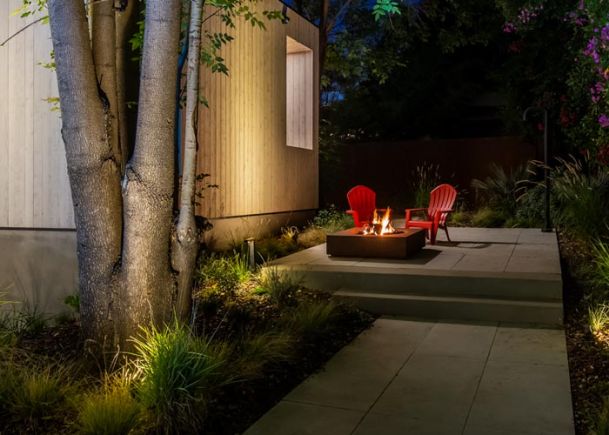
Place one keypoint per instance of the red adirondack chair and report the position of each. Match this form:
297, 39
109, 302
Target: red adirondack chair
362, 202
441, 201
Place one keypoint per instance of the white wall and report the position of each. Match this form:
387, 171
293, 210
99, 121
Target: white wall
34, 188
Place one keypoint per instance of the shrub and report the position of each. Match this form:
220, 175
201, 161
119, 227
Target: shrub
332, 220
310, 319
281, 287
502, 190
223, 274
488, 218
460, 218
581, 197
273, 247
112, 410
601, 426
311, 236
425, 178
256, 352
177, 372
530, 211
38, 395
598, 318
600, 252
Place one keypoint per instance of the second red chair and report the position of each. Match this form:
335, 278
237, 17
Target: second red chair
441, 201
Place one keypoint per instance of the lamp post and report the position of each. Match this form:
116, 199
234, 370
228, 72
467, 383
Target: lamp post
546, 176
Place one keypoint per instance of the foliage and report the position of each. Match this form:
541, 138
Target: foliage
502, 190
601, 263
111, 410
602, 420
426, 176
281, 287
530, 211
311, 318
488, 218
258, 351
178, 371
311, 236
223, 274
37, 394
331, 220
581, 196
598, 318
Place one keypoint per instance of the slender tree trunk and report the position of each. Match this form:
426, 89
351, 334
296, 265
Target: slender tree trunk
103, 35
146, 274
323, 34
92, 167
124, 22
186, 238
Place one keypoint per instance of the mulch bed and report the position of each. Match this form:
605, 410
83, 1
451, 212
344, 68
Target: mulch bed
588, 355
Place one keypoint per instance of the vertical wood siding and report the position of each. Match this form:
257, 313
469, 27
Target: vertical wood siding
242, 134
34, 188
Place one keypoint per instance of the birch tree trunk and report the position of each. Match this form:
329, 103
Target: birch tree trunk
186, 238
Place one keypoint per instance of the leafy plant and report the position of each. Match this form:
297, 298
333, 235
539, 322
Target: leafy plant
598, 318
224, 274
601, 425
581, 196
177, 371
331, 220
281, 287
258, 351
38, 394
488, 218
502, 190
425, 177
310, 319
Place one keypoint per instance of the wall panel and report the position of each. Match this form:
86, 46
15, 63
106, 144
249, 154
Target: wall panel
34, 188
243, 132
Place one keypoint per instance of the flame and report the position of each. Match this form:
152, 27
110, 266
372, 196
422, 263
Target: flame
380, 224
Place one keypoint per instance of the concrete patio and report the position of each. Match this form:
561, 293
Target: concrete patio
408, 377
485, 274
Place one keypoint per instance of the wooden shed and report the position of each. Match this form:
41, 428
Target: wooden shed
259, 134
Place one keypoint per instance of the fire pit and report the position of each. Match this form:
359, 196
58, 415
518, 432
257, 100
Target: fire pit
376, 240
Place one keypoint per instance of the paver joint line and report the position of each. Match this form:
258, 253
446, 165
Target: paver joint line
488, 355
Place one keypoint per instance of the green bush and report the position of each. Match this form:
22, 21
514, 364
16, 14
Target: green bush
502, 190
223, 274
600, 253
312, 236
274, 247
581, 197
256, 352
332, 220
488, 218
598, 318
111, 410
281, 287
425, 178
601, 425
178, 372
38, 394
530, 211
311, 319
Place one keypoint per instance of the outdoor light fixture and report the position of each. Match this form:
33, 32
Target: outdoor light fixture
546, 176
251, 252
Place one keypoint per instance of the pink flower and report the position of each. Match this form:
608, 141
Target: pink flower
603, 120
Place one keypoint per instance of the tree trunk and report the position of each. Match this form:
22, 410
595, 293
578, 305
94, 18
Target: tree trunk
146, 275
124, 21
103, 35
186, 239
323, 34
92, 168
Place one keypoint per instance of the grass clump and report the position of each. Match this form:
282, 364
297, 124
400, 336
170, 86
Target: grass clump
502, 190
111, 410
601, 425
177, 373
488, 218
598, 319
281, 287
37, 395
257, 351
223, 274
311, 318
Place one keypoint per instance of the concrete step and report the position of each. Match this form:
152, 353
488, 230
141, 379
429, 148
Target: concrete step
509, 286
456, 308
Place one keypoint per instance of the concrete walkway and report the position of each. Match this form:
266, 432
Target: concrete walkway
409, 377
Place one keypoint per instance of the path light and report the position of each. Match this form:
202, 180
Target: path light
251, 252
546, 176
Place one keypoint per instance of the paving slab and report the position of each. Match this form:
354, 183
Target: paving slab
288, 418
410, 377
